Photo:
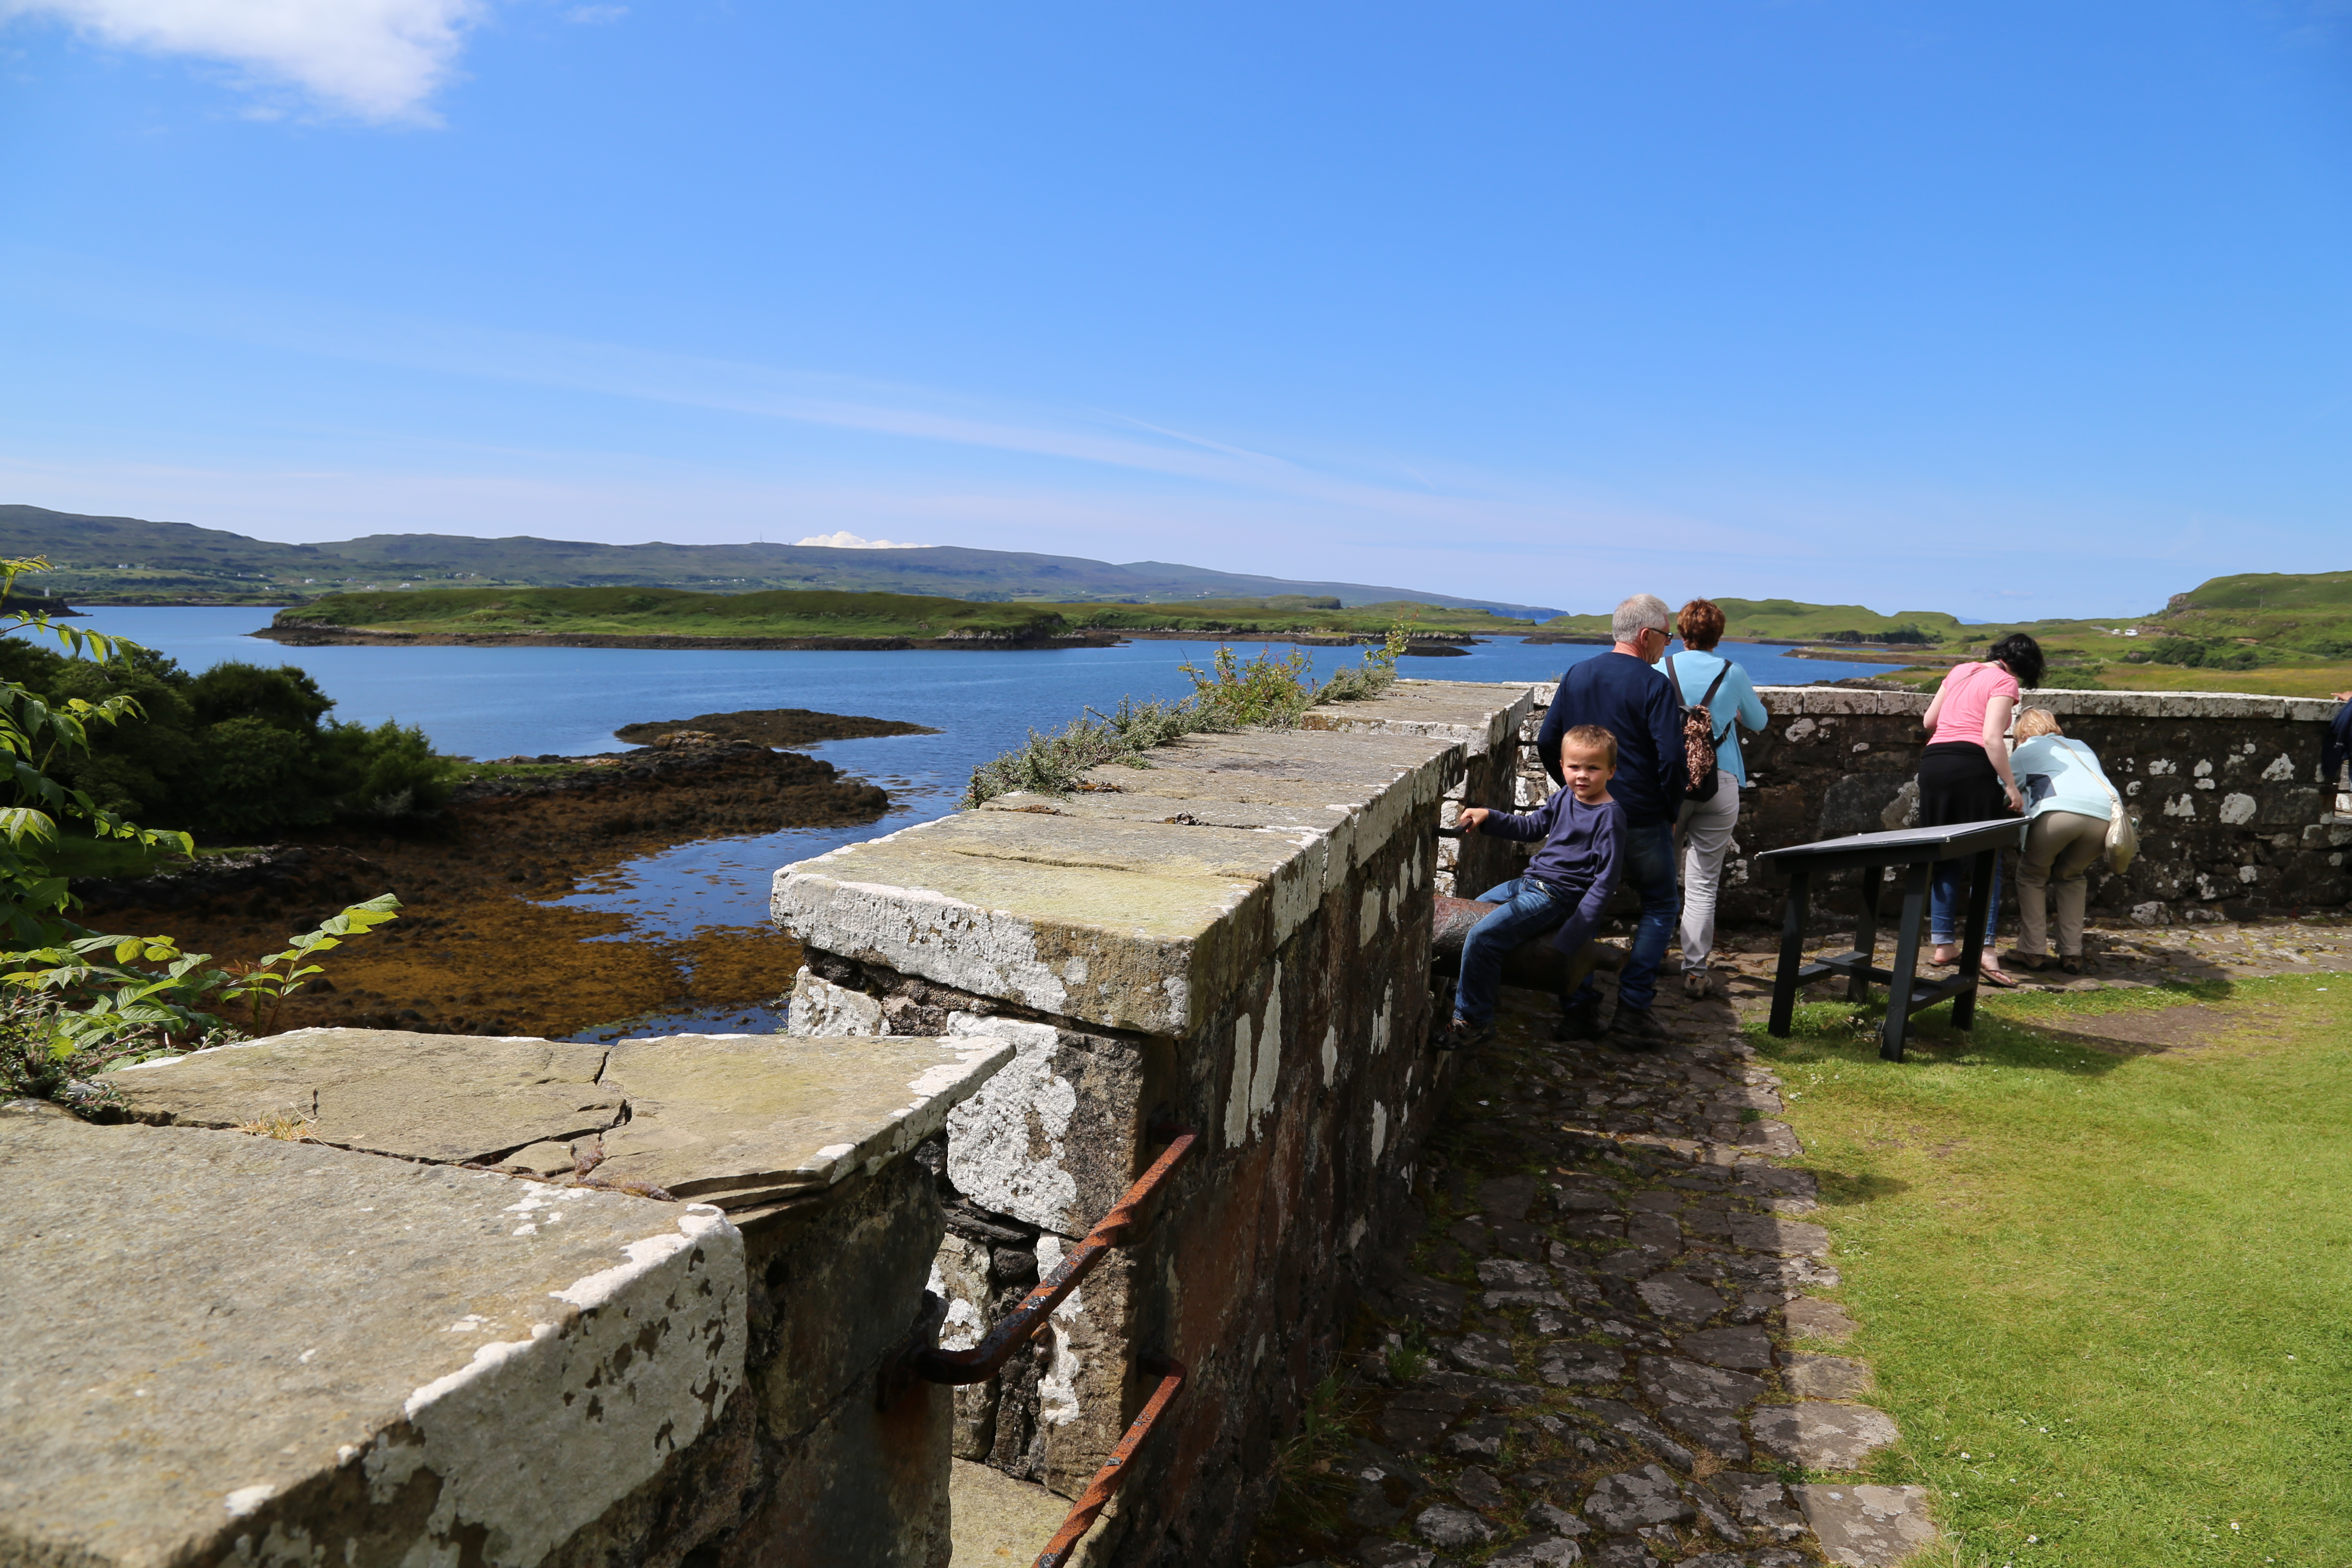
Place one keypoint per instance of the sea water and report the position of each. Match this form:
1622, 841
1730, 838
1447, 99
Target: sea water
487, 702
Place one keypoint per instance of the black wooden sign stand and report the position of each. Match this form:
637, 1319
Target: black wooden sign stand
1918, 851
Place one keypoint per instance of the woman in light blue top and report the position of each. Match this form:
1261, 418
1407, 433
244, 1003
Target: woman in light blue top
1705, 676
2068, 802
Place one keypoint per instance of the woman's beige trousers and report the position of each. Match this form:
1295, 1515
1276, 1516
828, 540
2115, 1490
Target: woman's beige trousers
2062, 845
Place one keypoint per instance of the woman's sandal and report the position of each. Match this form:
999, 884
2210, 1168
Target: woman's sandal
2002, 978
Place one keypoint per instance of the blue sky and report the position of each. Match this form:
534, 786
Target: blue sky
2009, 310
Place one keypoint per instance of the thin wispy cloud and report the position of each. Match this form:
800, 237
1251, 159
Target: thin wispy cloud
376, 60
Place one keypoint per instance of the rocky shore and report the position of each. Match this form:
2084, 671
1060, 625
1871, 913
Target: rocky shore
476, 949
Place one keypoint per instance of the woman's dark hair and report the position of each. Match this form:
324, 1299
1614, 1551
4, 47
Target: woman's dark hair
1701, 624
2022, 654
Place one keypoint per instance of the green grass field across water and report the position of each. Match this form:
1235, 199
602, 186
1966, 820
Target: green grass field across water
2102, 1258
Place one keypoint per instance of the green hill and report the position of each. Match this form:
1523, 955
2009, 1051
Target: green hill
129, 560
1757, 620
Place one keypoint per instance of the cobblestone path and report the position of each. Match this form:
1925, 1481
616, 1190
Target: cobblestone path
1606, 1347
1591, 1357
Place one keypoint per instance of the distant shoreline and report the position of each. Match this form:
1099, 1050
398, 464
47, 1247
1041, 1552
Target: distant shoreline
326, 637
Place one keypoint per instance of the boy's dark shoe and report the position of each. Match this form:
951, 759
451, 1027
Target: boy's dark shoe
1579, 1020
1633, 1029
1460, 1035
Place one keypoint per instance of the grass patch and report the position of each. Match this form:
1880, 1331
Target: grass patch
2101, 1258
74, 855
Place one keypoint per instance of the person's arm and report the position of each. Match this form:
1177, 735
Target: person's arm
1518, 825
1609, 869
1936, 708
1752, 706
1555, 725
2338, 745
1666, 730
1996, 744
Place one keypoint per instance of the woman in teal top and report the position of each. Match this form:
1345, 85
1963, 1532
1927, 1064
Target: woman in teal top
1705, 826
2068, 802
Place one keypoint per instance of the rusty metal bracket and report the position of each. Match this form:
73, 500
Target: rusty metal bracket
1171, 1374
983, 1361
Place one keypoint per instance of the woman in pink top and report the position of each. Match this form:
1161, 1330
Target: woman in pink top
1964, 777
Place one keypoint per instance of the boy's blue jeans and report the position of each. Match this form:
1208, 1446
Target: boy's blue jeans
1530, 909
1651, 872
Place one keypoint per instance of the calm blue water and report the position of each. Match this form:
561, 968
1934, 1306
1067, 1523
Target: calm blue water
495, 702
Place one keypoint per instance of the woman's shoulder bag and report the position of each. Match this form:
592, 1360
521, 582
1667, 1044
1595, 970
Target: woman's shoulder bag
2123, 833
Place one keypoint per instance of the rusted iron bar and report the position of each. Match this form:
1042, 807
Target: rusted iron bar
981, 1362
1058, 1552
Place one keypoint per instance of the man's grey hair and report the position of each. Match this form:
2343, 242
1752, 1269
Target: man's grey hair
1643, 612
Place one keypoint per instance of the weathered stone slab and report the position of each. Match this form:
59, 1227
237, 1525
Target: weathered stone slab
1810, 1318
1822, 1437
1750, 1349
1826, 1376
1868, 1526
1132, 925
1178, 810
1633, 1498
335, 1356
445, 1097
1480, 715
746, 1120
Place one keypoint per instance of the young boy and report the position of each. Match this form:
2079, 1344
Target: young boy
1567, 885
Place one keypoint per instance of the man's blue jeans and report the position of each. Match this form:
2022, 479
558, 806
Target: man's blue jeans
1650, 872
1530, 909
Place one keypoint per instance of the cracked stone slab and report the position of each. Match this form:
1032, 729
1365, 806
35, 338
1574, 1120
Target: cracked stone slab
1868, 1526
1822, 1437
1487, 1354
1637, 1425
1539, 1552
747, 1120
1447, 1527
1826, 1376
451, 1098
213, 1335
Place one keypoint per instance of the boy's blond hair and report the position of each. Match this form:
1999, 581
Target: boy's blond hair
1591, 737
2035, 721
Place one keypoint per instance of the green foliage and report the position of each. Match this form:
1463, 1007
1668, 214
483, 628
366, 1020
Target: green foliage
34, 734
1230, 695
71, 1009
2196, 654
239, 750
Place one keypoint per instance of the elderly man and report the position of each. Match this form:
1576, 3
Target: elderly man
1624, 693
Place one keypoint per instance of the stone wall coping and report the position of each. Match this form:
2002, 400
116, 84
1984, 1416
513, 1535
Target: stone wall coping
1145, 912
1826, 701
718, 1115
336, 1354
1464, 710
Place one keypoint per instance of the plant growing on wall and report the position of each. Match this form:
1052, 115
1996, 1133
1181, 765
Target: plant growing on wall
1230, 695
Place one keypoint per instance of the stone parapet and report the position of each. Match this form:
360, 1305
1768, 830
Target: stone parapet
360, 1297
2234, 819
1232, 938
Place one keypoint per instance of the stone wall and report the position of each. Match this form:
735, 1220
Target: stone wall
2234, 819
1233, 940
366, 1298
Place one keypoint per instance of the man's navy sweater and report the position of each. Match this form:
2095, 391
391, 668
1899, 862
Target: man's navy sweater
1632, 702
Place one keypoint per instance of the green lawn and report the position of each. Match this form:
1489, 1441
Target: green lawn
2106, 1291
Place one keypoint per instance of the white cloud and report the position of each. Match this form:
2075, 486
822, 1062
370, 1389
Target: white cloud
376, 59
845, 539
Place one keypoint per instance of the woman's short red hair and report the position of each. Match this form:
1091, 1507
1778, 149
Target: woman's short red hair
1701, 624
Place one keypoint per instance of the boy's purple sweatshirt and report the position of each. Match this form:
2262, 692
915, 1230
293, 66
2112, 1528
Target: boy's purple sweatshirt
1583, 853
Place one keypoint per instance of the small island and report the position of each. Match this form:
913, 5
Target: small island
674, 618
775, 728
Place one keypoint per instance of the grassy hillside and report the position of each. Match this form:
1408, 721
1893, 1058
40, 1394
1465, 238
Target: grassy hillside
1750, 620
129, 560
804, 614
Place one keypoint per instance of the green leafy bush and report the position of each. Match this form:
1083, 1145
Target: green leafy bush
239, 750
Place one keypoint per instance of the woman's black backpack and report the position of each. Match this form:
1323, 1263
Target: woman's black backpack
1698, 735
